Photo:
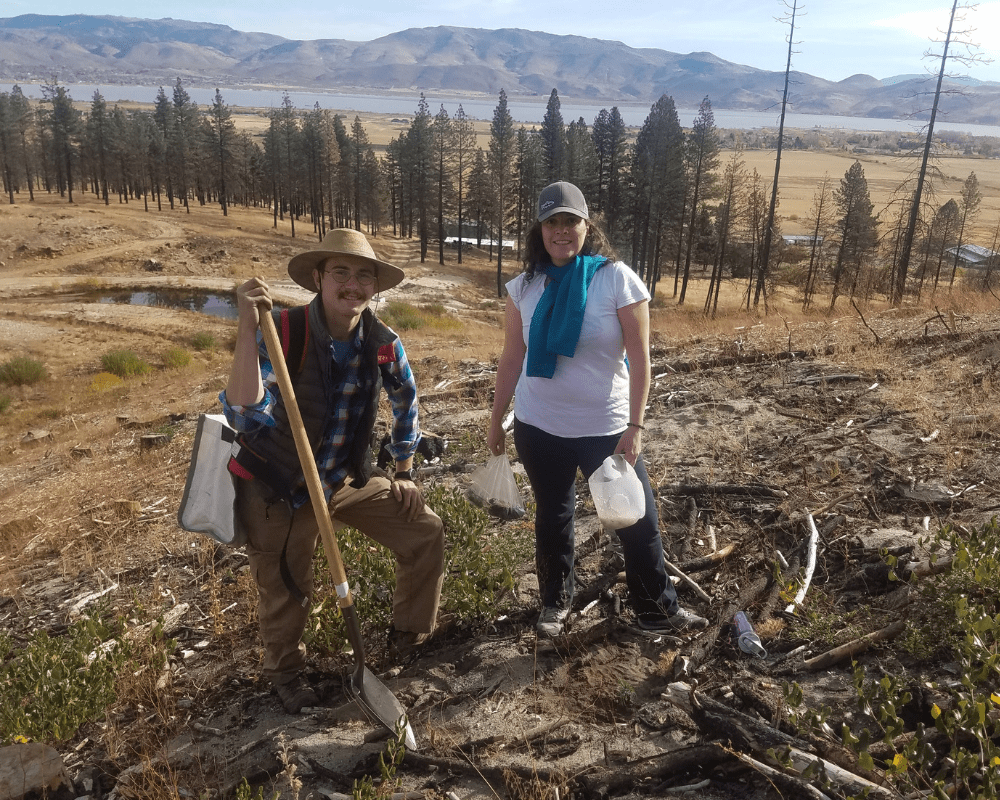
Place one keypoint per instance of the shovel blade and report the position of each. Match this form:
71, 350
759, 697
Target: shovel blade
380, 704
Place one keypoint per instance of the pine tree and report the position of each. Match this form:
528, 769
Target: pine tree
181, 142
821, 219
658, 188
501, 167
24, 122
98, 144
728, 218
223, 142
7, 139
972, 198
702, 152
857, 228
943, 234
553, 135
465, 147
443, 146
64, 127
581, 158
359, 147
530, 181
610, 136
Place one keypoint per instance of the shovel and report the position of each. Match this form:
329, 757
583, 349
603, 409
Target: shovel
371, 695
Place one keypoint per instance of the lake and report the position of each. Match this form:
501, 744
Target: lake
526, 111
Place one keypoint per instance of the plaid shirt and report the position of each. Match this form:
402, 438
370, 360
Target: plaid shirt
345, 417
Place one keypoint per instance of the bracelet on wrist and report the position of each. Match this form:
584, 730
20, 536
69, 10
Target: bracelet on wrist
403, 475
636, 425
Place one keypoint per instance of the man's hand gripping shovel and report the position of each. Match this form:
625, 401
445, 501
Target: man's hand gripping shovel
371, 695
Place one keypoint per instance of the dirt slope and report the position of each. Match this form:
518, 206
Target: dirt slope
748, 429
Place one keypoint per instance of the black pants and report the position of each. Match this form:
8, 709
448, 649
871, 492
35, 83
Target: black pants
551, 463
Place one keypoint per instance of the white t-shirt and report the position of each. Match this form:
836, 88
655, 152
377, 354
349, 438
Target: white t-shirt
588, 393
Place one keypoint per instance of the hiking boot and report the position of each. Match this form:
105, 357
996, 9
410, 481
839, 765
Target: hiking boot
296, 694
683, 620
552, 622
403, 644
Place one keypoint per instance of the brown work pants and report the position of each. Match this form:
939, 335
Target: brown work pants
417, 545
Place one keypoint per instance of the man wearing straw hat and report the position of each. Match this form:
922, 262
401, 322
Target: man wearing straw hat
348, 356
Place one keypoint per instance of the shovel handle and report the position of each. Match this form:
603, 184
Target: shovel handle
306, 459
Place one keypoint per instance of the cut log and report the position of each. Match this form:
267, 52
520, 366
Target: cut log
837, 654
706, 562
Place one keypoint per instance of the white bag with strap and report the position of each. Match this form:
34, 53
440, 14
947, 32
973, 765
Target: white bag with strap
210, 490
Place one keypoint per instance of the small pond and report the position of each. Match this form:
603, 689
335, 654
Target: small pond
216, 305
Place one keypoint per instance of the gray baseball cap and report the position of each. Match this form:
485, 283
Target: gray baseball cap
561, 196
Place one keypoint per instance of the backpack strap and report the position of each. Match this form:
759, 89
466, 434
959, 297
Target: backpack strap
294, 332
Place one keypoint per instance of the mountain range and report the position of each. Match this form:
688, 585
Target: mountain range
449, 60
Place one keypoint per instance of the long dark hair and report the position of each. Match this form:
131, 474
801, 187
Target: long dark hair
536, 257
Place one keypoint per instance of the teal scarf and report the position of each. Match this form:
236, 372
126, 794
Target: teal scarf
558, 318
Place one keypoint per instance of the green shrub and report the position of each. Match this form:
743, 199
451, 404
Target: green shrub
5, 401
402, 316
124, 364
955, 616
204, 341
479, 572
405, 317
22, 371
52, 686
176, 357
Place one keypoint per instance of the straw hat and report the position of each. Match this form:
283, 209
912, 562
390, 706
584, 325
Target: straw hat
342, 241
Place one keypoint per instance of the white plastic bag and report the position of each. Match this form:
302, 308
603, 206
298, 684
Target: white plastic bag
495, 489
617, 491
210, 489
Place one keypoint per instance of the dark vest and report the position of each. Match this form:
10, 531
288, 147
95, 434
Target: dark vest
314, 387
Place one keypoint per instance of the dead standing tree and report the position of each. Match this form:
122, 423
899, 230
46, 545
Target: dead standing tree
972, 56
768, 232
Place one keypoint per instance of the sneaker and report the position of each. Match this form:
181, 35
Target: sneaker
403, 644
552, 621
683, 620
296, 694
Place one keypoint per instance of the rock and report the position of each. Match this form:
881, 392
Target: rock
34, 437
31, 768
152, 265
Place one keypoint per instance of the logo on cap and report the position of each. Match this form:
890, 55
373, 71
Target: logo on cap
548, 203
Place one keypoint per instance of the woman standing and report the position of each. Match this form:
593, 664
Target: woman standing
572, 318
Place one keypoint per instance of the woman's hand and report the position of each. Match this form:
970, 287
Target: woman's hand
630, 444
496, 439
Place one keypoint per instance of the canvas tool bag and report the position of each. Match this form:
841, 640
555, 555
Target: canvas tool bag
210, 490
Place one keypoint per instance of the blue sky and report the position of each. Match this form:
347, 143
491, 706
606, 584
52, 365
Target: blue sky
834, 38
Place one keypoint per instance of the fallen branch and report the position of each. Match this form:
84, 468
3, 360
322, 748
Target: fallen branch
467, 766
692, 759
695, 489
528, 736
711, 560
702, 594
854, 647
810, 565
923, 569
878, 339
847, 782
797, 786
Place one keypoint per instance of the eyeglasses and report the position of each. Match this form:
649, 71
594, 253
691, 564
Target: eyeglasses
364, 277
